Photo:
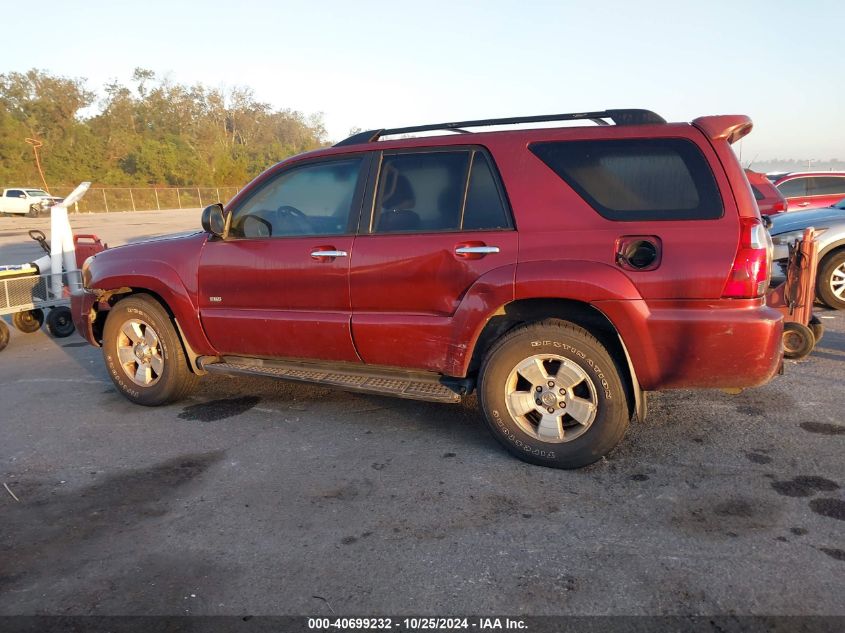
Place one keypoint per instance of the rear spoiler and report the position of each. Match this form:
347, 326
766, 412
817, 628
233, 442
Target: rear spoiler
729, 127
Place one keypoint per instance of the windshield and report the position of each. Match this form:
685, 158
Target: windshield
37, 192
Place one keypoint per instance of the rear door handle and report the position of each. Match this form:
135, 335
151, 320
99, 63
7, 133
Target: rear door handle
328, 254
476, 250
803, 204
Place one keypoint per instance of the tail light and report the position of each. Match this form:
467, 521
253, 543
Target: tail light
779, 206
751, 270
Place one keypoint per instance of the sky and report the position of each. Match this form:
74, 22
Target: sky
373, 64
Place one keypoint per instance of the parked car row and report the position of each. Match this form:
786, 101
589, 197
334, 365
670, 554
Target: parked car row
829, 223
795, 191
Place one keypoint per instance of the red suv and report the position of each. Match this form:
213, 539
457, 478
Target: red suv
560, 272
811, 189
770, 201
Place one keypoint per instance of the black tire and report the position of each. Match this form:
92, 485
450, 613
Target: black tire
798, 340
4, 335
60, 322
30, 321
817, 327
825, 278
34, 211
174, 381
601, 381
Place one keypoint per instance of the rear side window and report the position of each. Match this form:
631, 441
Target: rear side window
484, 208
758, 195
434, 191
827, 186
637, 179
793, 188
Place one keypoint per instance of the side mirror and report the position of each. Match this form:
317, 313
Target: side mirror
215, 220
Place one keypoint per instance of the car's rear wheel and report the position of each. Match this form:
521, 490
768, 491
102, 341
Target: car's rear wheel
29, 321
552, 395
830, 284
143, 353
34, 211
798, 340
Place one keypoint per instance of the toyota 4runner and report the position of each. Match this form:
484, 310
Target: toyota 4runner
560, 272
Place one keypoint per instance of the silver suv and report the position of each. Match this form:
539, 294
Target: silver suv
829, 223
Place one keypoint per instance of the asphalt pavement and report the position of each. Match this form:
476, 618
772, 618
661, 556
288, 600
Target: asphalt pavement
263, 497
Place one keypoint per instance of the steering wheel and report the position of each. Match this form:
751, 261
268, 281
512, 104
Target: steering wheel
298, 222
289, 210
39, 237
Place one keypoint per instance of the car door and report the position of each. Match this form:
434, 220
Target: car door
825, 191
278, 286
796, 192
439, 221
15, 201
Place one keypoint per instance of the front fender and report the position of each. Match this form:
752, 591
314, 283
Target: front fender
158, 277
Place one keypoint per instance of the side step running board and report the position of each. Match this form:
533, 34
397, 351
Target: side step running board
387, 382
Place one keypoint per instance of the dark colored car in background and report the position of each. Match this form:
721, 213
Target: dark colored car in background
811, 189
561, 272
769, 200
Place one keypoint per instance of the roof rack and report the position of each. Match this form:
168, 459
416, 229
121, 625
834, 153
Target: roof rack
619, 117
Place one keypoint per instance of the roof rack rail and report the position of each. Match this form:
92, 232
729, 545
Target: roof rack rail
619, 117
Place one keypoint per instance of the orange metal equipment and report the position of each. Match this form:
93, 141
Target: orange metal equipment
795, 296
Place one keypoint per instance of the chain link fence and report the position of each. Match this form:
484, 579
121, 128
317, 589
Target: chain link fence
111, 199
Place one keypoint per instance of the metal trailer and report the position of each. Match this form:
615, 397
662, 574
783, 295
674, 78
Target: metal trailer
27, 297
27, 290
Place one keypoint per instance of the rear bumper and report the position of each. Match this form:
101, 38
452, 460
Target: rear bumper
700, 344
82, 306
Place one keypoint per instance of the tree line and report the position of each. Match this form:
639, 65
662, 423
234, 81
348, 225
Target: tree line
151, 132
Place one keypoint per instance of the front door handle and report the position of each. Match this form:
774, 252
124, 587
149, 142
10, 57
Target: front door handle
328, 253
803, 204
477, 251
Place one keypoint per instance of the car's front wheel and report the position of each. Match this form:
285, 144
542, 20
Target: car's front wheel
830, 284
143, 353
34, 211
552, 395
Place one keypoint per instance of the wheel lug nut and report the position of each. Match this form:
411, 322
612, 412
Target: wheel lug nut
562, 405
538, 401
562, 392
539, 388
551, 383
551, 409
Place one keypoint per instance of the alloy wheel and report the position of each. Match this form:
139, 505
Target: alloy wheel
551, 398
139, 352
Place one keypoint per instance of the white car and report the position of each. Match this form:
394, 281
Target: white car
22, 201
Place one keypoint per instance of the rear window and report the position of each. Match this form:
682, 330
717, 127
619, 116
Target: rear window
827, 186
793, 188
637, 179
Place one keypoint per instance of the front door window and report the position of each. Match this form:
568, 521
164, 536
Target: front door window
309, 200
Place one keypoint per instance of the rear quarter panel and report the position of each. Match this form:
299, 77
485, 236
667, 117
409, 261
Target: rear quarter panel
554, 219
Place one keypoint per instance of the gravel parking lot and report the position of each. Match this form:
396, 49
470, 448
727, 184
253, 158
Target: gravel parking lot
264, 497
